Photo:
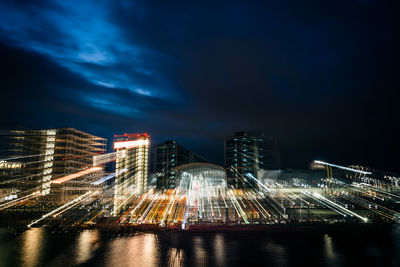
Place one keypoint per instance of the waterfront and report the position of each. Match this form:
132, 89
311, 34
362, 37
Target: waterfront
375, 246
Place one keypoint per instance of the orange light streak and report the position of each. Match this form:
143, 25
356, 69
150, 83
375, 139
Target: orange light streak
76, 175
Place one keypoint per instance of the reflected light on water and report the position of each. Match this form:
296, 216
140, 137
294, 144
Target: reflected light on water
328, 247
86, 244
278, 253
142, 250
219, 250
175, 257
32, 246
331, 258
200, 254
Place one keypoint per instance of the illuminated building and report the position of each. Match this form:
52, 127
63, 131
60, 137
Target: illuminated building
37, 157
246, 154
132, 164
169, 155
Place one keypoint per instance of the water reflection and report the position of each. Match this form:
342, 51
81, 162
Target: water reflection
331, 258
86, 244
219, 250
40, 247
32, 243
141, 250
176, 257
200, 254
278, 252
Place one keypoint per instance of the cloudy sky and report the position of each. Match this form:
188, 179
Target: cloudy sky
321, 76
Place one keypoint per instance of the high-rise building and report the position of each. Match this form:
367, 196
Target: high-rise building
169, 155
246, 153
34, 159
132, 166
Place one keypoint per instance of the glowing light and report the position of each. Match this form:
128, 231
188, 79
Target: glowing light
88, 194
76, 175
101, 159
130, 144
317, 195
108, 177
341, 167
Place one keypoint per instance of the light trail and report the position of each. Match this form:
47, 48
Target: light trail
384, 211
254, 179
376, 189
268, 198
108, 177
140, 203
341, 167
168, 209
147, 210
60, 208
262, 210
324, 203
185, 216
126, 199
22, 157
76, 175
19, 200
234, 201
104, 158
317, 195
122, 218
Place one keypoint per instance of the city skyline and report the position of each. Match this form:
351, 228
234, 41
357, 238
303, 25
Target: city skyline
199, 133
320, 78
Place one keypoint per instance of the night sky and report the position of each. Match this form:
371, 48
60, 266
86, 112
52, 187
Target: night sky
321, 76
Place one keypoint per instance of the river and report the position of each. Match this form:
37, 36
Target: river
41, 247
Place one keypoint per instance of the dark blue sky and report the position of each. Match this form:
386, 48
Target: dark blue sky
321, 76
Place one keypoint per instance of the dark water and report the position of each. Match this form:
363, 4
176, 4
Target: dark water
39, 247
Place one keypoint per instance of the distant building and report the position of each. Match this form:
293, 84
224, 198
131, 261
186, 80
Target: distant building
35, 158
168, 156
246, 154
132, 166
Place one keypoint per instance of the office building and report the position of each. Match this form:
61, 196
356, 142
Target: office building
132, 166
169, 155
246, 154
35, 159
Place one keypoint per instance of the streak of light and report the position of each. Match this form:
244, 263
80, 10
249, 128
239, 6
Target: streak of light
140, 203
341, 167
19, 200
147, 210
126, 199
104, 158
185, 214
168, 209
377, 189
21, 157
61, 208
324, 203
234, 201
263, 186
73, 205
76, 175
359, 201
105, 207
317, 195
22, 178
108, 177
